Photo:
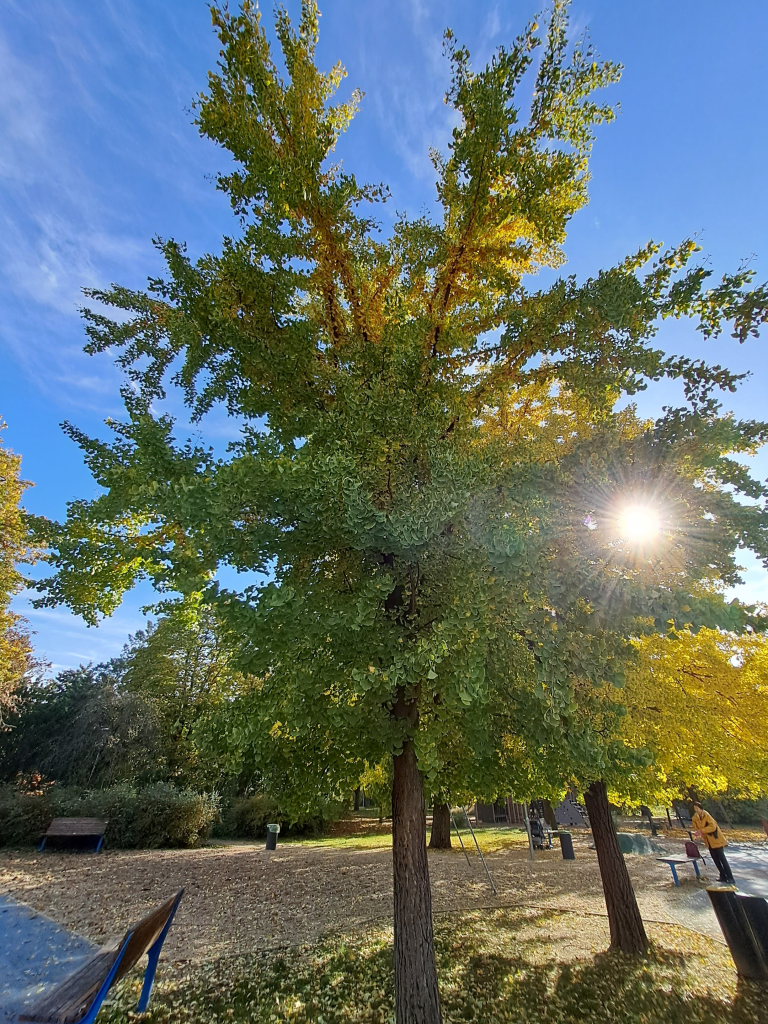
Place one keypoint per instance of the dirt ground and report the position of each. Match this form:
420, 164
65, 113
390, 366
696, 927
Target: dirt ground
239, 898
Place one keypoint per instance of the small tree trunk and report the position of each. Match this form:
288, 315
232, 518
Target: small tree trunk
416, 996
356, 804
627, 931
440, 839
727, 815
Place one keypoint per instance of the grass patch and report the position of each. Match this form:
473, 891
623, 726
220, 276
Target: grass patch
504, 966
373, 839
490, 839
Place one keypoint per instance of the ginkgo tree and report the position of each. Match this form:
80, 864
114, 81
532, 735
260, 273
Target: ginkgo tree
422, 437
699, 702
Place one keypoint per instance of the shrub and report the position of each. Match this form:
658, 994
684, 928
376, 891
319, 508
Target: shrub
246, 817
137, 819
165, 816
23, 817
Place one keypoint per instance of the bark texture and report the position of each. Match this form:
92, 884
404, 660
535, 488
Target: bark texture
416, 996
440, 838
627, 931
356, 802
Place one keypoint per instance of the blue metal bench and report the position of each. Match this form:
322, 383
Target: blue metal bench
78, 999
76, 828
675, 861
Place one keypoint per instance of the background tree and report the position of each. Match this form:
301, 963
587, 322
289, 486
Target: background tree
181, 666
16, 661
400, 474
82, 729
648, 563
144, 717
699, 702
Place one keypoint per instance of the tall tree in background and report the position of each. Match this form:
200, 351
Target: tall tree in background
408, 476
15, 647
83, 729
699, 702
181, 666
149, 715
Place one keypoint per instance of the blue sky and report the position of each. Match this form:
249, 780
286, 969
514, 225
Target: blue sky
99, 155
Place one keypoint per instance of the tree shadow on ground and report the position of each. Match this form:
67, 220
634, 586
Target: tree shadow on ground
514, 982
494, 967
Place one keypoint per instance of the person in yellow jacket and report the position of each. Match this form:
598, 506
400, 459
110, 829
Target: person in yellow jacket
712, 834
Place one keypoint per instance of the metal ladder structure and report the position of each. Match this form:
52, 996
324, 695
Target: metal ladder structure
477, 847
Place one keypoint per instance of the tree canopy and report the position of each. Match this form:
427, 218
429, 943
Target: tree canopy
181, 667
149, 715
15, 647
698, 702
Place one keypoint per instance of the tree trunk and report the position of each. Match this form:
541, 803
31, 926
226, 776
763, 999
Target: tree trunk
721, 805
440, 839
627, 931
416, 996
356, 803
549, 814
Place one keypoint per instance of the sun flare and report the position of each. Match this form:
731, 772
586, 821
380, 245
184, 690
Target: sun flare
639, 524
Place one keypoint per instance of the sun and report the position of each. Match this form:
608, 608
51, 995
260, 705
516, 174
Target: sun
639, 524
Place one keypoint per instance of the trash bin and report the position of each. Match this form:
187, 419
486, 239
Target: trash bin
744, 923
566, 845
272, 831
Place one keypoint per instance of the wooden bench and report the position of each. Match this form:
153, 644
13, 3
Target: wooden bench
76, 828
78, 998
674, 861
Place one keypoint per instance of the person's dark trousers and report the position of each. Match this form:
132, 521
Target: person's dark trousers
722, 865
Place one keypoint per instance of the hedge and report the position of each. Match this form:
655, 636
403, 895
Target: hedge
156, 816
246, 817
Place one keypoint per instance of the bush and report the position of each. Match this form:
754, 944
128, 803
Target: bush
23, 817
165, 816
247, 817
137, 819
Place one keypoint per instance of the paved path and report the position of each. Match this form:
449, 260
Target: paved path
33, 951
750, 867
749, 863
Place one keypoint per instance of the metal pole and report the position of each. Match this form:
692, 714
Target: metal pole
482, 858
460, 839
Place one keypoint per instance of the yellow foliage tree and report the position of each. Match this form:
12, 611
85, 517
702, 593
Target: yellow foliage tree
699, 702
15, 646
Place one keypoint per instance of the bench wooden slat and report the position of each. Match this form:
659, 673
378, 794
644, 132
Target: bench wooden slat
69, 1001
77, 827
144, 934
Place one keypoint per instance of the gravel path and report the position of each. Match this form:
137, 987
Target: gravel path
240, 898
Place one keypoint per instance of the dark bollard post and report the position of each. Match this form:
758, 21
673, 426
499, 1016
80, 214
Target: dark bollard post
272, 831
744, 922
566, 845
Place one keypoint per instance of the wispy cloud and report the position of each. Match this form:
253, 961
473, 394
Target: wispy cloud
97, 150
64, 641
